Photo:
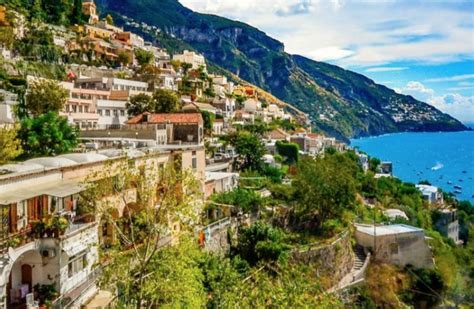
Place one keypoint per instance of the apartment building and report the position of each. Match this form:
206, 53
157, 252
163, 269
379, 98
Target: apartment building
194, 59
100, 102
47, 238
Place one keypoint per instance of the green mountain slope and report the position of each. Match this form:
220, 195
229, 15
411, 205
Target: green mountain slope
339, 102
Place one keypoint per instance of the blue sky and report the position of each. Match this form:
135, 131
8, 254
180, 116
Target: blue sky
422, 48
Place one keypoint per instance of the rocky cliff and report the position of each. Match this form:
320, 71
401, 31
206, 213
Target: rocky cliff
340, 102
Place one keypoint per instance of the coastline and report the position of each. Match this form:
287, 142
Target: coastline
442, 158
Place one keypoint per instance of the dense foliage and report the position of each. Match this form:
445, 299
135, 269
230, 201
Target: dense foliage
10, 145
47, 135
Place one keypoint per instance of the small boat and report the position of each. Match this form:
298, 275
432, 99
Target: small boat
457, 187
450, 182
457, 191
460, 180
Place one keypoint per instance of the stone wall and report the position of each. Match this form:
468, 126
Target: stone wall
331, 262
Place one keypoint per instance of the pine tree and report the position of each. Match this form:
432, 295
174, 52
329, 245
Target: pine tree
77, 17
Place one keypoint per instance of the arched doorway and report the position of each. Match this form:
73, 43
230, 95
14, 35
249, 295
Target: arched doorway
25, 273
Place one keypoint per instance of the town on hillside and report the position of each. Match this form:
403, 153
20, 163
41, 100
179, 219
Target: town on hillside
123, 164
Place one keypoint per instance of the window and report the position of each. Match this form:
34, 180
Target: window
80, 109
77, 264
99, 111
122, 112
393, 248
107, 112
115, 113
86, 109
194, 163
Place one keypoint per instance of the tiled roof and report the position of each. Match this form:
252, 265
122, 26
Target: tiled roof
167, 118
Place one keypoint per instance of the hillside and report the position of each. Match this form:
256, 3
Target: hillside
340, 102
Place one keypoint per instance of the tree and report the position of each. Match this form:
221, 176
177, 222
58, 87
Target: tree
250, 150
77, 16
144, 57
45, 96
208, 122
10, 145
47, 135
288, 150
260, 242
166, 197
165, 101
139, 104
124, 58
109, 19
325, 187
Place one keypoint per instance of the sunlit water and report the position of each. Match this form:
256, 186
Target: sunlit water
446, 160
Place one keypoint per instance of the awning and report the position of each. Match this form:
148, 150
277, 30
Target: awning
64, 189
60, 189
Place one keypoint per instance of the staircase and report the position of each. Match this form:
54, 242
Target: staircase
357, 272
359, 259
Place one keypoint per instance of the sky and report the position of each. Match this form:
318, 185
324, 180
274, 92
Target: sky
424, 48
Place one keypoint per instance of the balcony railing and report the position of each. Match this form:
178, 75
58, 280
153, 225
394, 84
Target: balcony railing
65, 300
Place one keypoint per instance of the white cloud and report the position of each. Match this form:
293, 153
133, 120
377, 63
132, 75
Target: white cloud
330, 53
455, 78
459, 106
385, 69
377, 32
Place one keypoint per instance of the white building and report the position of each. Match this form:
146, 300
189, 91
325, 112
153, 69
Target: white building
252, 105
431, 193
112, 113
196, 60
398, 244
8, 101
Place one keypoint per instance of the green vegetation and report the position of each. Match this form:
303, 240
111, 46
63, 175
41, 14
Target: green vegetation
10, 145
162, 101
144, 57
362, 107
290, 151
250, 150
45, 96
208, 122
47, 135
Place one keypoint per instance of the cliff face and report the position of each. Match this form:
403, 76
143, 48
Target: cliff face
340, 102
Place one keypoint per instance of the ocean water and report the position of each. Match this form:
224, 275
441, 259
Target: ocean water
444, 159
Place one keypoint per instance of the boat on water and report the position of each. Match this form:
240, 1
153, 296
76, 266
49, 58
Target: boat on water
457, 187
450, 182
457, 191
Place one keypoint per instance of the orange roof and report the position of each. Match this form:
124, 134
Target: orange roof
167, 118
314, 135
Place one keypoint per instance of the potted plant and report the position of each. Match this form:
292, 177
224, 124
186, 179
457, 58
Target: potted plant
60, 225
45, 293
38, 228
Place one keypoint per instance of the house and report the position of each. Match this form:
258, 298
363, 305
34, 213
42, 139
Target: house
195, 60
181, 128
398, 244
89, 9
217, 182
8, 101
386, 167
225, 106
65, 257
278, 134
310, 143
363, 161
394, 213
446, 222
431, 193
252, 105
218, 126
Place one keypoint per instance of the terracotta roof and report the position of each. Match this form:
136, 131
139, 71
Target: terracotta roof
167, 118
314, 135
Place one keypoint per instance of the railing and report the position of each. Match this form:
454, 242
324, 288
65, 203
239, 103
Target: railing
65, 300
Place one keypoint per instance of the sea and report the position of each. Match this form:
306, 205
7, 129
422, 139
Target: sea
445, 159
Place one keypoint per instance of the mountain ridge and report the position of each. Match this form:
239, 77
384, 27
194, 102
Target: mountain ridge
339, 102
